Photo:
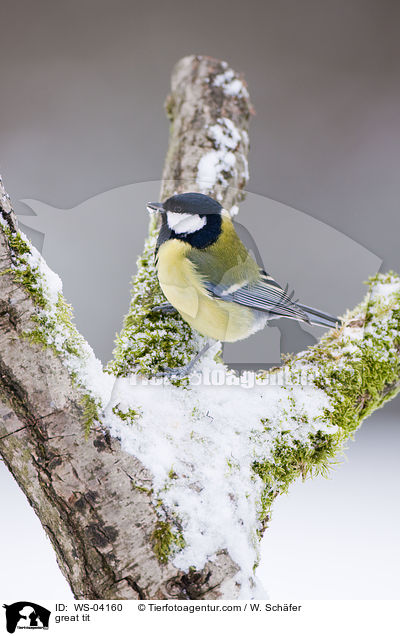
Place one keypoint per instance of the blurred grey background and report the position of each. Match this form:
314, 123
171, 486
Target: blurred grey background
81, 114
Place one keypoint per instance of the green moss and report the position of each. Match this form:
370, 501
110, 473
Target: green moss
53, 320
383, 278
170, 108
28, 278
148, 491
233, 464
91, 413
218, 357
291, 461
23, 273
367, 376
130, 416
149, 343
57, 327
37, 337
54, 327
165, 541
17, 244
64, 316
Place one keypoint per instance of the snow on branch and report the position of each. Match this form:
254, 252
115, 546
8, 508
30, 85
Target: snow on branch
222, 447
157, 488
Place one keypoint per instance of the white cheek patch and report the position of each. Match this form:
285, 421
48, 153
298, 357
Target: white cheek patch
185, 223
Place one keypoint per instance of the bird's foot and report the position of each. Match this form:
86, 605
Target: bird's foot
165, 309
182, 372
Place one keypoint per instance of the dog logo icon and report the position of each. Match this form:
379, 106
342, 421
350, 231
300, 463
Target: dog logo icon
26, 615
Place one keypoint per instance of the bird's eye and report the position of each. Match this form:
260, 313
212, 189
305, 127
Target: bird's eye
178, 209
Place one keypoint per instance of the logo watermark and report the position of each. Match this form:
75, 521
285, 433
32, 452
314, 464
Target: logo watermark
26, 615
278, 377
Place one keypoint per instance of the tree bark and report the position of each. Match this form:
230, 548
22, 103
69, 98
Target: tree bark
94, 500
91, 497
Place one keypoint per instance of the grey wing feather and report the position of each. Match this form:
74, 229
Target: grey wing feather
263, 295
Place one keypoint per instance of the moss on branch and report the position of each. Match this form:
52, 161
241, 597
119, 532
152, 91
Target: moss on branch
150, 342
165, 541
53, 322
358, 368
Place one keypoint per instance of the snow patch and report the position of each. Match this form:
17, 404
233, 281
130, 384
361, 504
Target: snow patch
86, 367
200, 444
230, 84
212, 165
225, 134
215, 165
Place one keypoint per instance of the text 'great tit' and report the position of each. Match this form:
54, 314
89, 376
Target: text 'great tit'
208, 275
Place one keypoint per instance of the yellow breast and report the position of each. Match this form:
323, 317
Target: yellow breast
182, 286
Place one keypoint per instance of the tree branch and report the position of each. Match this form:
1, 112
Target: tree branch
163, 491
209, 110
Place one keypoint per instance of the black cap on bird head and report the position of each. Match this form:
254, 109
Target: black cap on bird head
191, 217
187, 203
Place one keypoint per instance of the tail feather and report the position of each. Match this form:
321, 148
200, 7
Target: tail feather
320, 318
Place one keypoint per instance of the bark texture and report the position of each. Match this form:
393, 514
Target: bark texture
204, 93
91, 497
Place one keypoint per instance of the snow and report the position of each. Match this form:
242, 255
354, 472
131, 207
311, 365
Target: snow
225, 133
200, 442
231, 85
246, 169
208, 437
386, 289
214, 164
87, 368
50, 281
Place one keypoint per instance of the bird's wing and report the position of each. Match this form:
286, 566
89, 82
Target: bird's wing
264, 295
243, 282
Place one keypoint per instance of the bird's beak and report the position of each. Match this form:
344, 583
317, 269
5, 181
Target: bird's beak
155, 207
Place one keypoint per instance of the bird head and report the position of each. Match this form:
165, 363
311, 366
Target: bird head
186, 213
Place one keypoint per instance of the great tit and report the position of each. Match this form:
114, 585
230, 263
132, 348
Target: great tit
210, 278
